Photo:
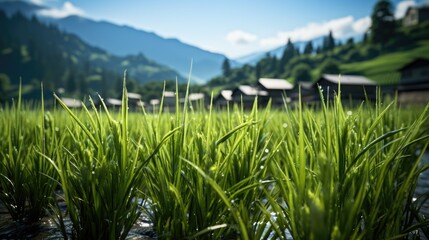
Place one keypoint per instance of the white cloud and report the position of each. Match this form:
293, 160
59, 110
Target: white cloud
42, 2
402, 7
240, 37
341, 28
37, 2
67, 9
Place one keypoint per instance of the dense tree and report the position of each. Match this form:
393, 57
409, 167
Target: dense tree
226, 67
302, 72
288, 53
328, 42
350, 42
258, 71
308, 49
383, 23
330, 66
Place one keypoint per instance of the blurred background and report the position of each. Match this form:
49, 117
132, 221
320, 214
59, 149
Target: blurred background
82, 48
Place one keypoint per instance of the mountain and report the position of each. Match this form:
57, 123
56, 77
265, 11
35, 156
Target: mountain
33, 51
126, 40
123, 40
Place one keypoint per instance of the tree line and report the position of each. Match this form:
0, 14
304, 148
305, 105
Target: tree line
385, 35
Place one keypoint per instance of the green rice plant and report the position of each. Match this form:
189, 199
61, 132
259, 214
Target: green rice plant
27, 181
217, 192
100, 174
346, 175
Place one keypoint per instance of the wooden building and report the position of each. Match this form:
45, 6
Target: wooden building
353, 87
414, 84
415, 15
246, 94
223, 98
278, 90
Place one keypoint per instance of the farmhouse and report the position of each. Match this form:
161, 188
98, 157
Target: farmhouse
414, 85
415, 15
224, 97
247, 94
353, 87
71, 102
277, 89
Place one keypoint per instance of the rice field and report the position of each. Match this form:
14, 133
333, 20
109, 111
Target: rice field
332, 172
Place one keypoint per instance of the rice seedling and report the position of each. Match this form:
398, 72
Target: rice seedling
100, 175
336, 172
347, 175
27, 181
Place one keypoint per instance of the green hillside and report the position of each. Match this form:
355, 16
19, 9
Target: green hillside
377, 61
32, 52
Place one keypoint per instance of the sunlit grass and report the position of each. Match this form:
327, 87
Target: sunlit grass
336, 172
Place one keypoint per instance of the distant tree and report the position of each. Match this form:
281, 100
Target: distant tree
297, 51
4, 86
328, 42
302, 72
226, 67
308, 49
350, 41
288, 53
258, 71
383, 26
365, 38
71, 83
330, 66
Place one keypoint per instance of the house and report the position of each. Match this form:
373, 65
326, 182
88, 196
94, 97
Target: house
353, 87
415, 15
113, 103
277, 89
169, 101
223, 99
307, 90
415, 72
246, 94
194, 99
414, 84
71, 102
134, 100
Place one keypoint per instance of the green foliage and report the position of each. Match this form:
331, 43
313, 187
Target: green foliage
383, 26
32, 51
330, 66
328, 42
226, 67
329, 173
301, 72
308, 49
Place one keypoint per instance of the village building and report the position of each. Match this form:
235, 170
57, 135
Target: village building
113, 103
415, 15
278, 90
246, 95
307, 90
414, 84
223, 98
169, 101
134, 101
353, 87
71, 102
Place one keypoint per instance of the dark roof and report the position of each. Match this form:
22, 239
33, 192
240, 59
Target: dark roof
347, 79
419, 62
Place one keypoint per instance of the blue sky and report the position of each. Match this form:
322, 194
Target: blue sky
235, 27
